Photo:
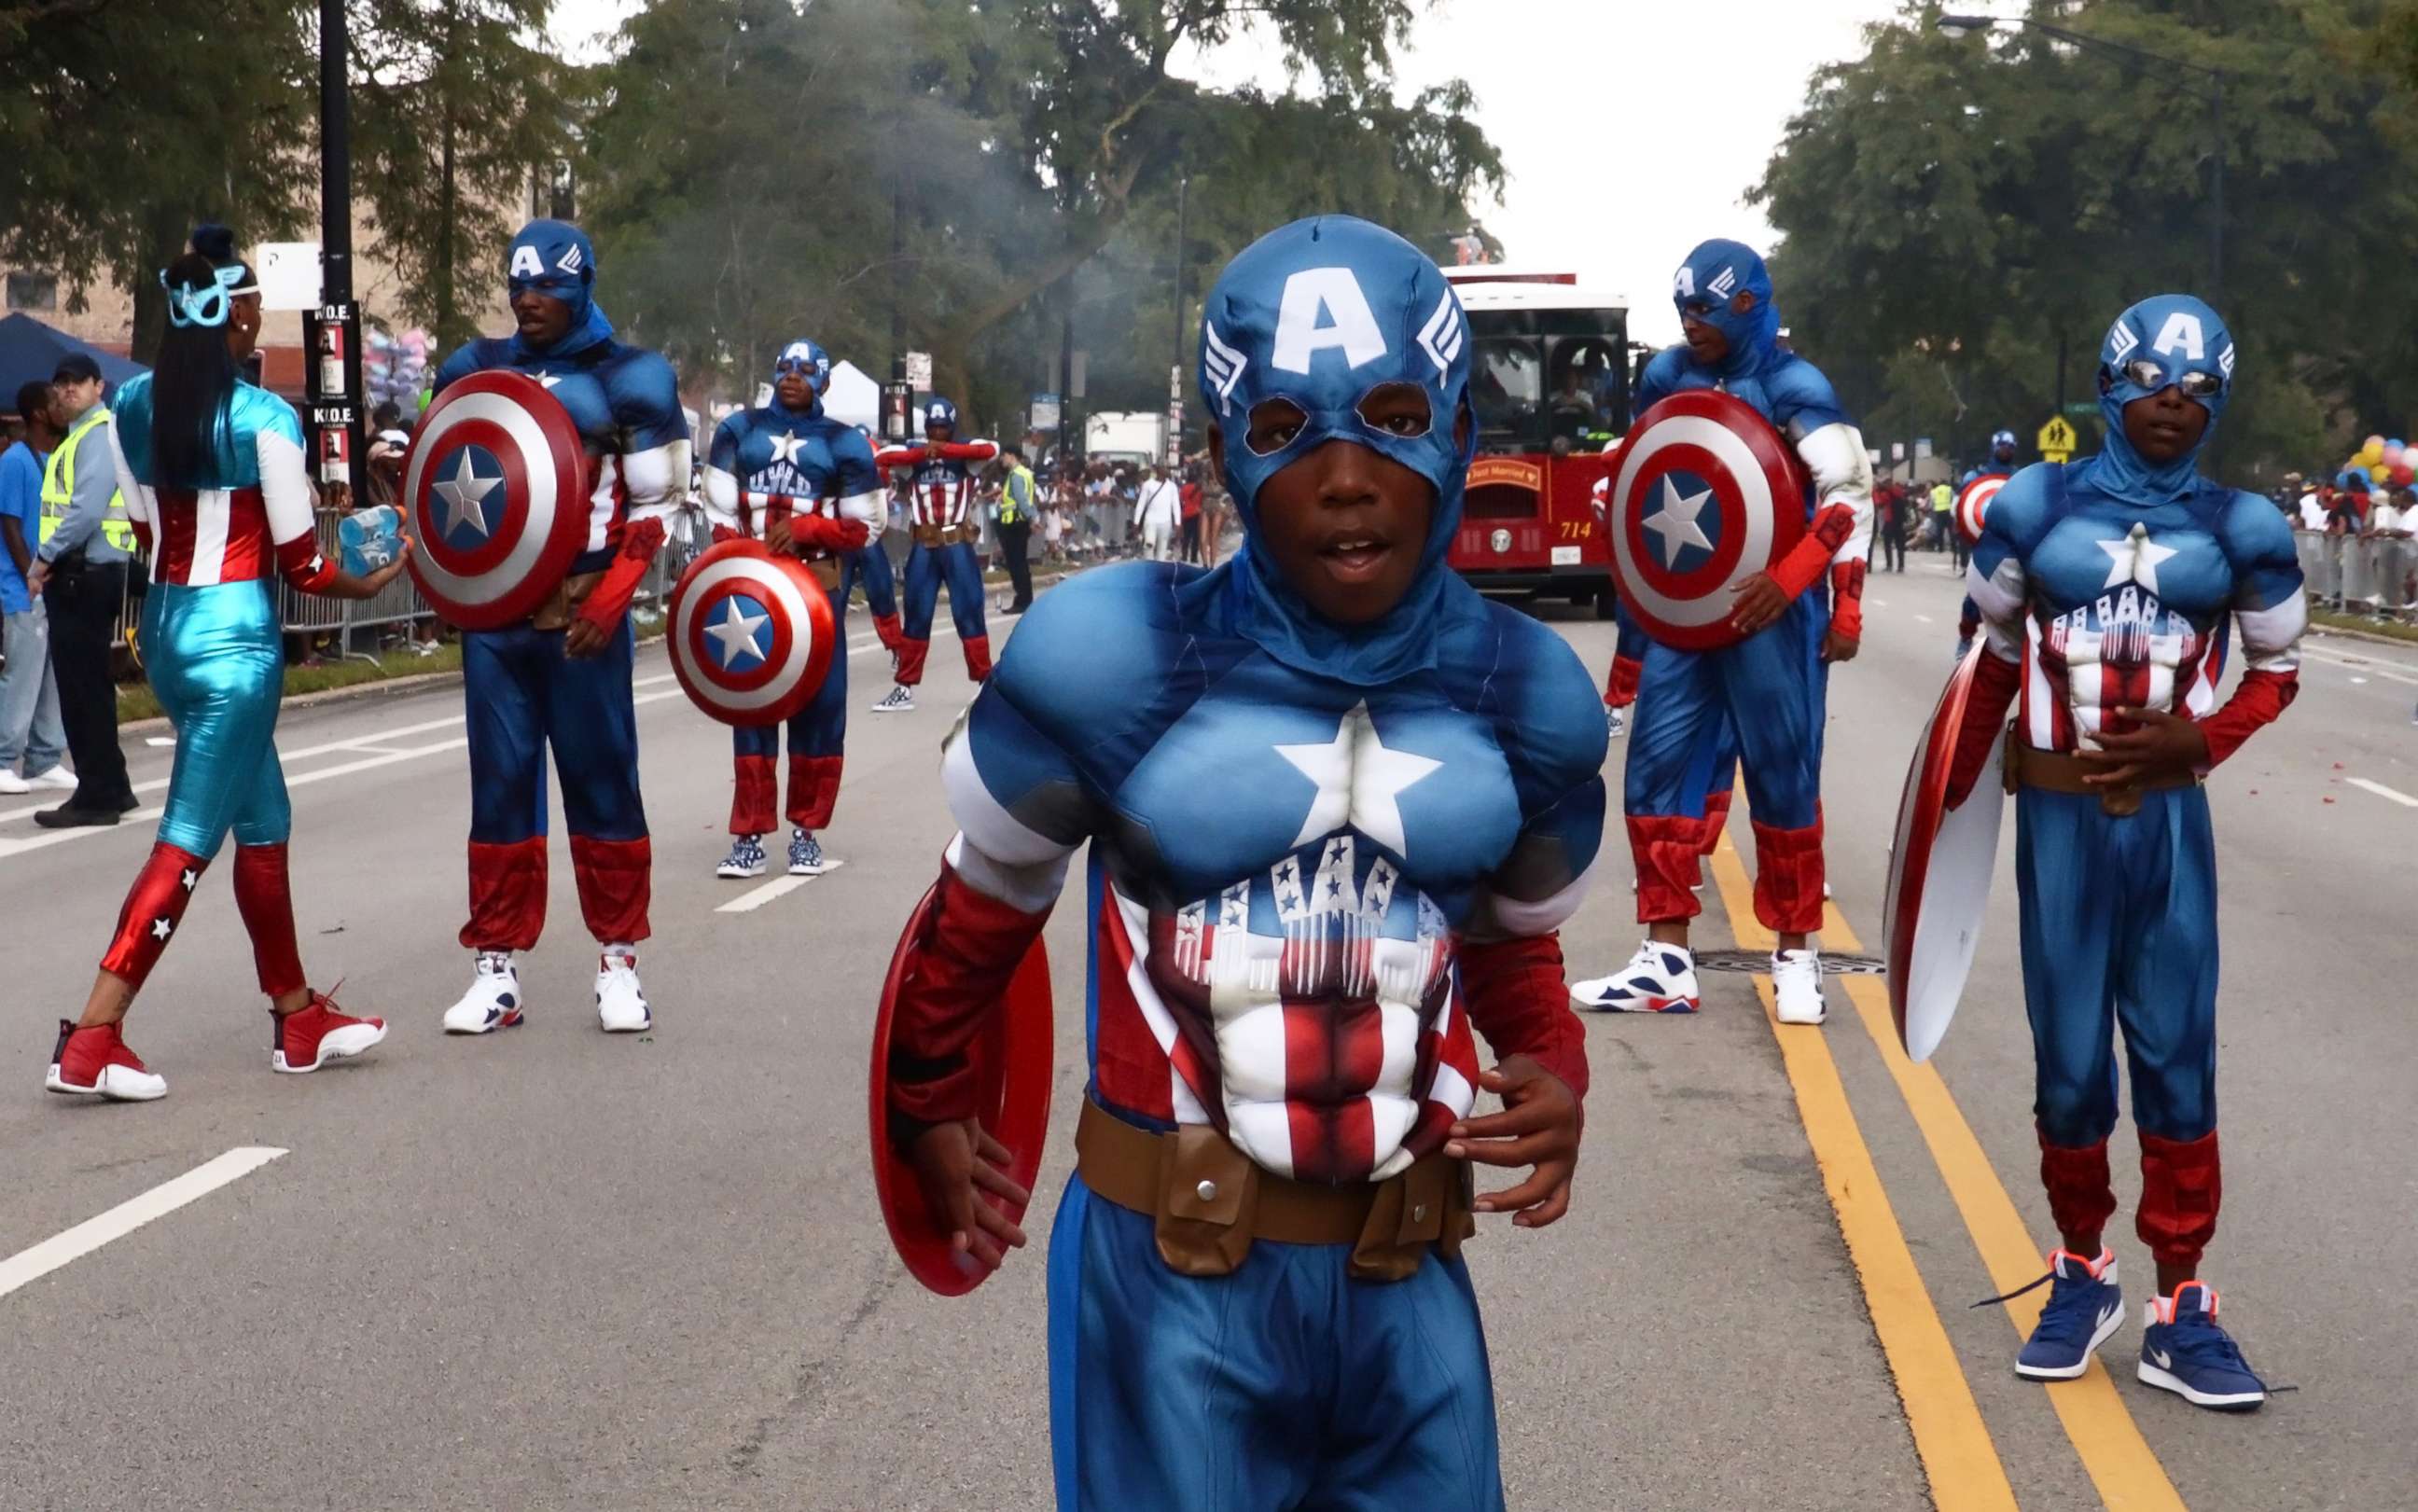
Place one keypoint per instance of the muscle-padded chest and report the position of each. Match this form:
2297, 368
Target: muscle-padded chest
2104, 563
585, 390
1266, 764
786, 456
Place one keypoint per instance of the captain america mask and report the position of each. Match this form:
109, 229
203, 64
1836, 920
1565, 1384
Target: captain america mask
1334, 330
550, 275
2174, 350
800, 374
1707, 291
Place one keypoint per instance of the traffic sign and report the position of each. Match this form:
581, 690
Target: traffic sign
2057, 438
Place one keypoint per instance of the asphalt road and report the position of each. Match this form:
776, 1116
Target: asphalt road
550, 1269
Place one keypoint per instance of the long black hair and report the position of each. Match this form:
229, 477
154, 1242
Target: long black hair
193, 383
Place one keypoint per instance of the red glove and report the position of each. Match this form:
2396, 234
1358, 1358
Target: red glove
1985, 722
1847, 599
1803, 567
957, 971
724, 532
611, 599
2255, 703
1519, 998
822, 532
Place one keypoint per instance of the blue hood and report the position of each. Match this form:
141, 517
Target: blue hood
1319, 312
2175, 334
1715, 273
816, 364
556, 259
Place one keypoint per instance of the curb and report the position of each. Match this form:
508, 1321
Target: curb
2373, 637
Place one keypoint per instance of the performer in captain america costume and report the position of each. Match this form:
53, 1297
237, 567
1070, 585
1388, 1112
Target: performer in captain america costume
2002, 460
940, 514
2110, 589
869, 564
562, 678
213, 474
1762, 698
1338, 806
798, 481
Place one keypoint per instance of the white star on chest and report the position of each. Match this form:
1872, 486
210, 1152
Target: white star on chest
546, 380
735, 633
2135, 559
462, 493
1676, 521
1358, 781
784, 449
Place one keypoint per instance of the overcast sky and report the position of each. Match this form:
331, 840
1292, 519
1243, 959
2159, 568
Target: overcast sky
1617, 166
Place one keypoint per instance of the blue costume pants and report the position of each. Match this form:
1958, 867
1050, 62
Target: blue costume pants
872, 566
524, 696
217, 666
2120, 931
1286, 1385
928, 568
817, 736
1701, 714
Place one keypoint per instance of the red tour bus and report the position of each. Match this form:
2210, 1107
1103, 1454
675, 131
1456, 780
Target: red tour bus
1551, 390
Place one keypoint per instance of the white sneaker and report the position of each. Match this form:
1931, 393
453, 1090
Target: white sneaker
1659, 979
1615, 722
621, 1002
11, 783
493, 1001
1797, 986
54, 776
901, 700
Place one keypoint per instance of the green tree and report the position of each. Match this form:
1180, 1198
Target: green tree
454, 102
123, 123
1956, 212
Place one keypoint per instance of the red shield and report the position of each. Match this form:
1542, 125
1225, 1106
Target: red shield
1706, 495
496, 487
1972, 499
751, 634
1012, 1057
1941, 866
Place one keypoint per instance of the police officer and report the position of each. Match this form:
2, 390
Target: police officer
80, 573
1017, 499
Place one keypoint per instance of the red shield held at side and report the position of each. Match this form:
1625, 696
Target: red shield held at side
496, 490
1972, 500
1940, 867
1014, 1057
752, 633
1705, 494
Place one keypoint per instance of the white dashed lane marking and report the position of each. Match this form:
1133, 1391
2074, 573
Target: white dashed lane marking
2382, 792
133, 1213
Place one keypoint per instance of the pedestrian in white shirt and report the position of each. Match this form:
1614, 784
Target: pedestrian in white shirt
1158, 513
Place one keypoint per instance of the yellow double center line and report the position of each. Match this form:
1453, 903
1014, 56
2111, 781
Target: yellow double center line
1958, 1456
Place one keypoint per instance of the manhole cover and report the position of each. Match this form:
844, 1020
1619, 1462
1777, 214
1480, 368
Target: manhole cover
1834, 963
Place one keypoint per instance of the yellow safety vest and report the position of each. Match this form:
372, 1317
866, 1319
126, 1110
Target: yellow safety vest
58, 488
1009, 509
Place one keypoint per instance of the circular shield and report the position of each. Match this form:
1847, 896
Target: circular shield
1707, 495
1941, 866
496, 486
751, 634
1012, 1057
1972, 499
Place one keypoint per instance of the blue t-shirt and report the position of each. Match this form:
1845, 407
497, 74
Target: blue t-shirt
21, 496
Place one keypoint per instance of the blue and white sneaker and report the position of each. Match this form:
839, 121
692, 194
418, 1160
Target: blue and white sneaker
746, 857
2084, 1309
493, 1001
1659, 979
806, 855
1615, 722
2184, 1351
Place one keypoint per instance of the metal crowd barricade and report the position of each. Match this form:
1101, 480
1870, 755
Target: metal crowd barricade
2345, 571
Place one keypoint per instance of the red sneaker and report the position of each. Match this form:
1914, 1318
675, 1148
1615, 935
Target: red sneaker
309, 1038
96, 1062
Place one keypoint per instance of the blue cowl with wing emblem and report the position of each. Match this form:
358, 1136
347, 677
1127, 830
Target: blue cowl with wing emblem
1715, 273
2161, 340
1319, 312
808, 361
556, 259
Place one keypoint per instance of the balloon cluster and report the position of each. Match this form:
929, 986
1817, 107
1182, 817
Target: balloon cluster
395, 367
2379, 461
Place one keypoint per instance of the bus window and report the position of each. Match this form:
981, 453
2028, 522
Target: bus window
1589, 403
1506, 389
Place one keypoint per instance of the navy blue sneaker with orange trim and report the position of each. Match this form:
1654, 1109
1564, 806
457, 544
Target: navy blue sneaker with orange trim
2184, 1351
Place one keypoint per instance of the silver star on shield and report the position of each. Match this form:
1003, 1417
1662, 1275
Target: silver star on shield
735, 633
462, 493
1676, 521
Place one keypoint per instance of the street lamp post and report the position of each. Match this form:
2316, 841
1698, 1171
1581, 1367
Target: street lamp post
1964, 26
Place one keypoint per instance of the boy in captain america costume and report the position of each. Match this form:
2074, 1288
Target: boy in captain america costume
939, 512
1759, 702
1337, 805
2109, 589
562, 678
798, 481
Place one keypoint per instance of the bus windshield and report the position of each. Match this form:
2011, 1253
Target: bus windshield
1549, 376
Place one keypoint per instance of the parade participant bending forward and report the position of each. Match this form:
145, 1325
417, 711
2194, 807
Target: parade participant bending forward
800, 481
212, 473
940, 514
1769, 688
562, 678
1337, 805
2108, 589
